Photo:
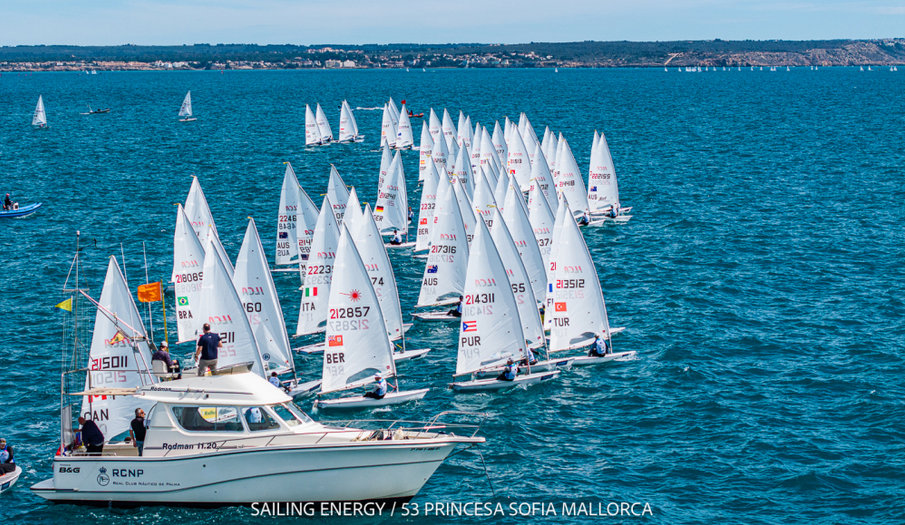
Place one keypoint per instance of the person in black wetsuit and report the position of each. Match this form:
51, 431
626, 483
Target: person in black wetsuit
7, 203
7, 463
457, 311
92, 437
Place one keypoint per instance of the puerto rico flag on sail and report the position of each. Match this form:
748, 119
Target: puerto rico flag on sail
559, 307
470, 326
432, 268
335, 340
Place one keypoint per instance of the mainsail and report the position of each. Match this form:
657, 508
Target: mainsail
188, 263
318, 273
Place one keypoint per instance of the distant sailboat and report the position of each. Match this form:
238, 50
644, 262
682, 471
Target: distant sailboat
323, 125
39, 119
348, 126
312, 130
186, 110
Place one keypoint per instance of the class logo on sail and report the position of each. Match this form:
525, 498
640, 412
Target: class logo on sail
354, 295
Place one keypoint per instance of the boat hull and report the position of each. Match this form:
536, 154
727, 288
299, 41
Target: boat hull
436, 316
348, 472
408, 355
489, 385
392, 398
616, 356
564, 363
9, 479
24, 211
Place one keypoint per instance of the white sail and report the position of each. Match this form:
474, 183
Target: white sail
463, 171
444, 272
323, 125
198, 211
258, 294
391, 209
488, 150
114, 361
518, 163
439, 153
424, 151
353, 209
434, 126
312, 131
568, 179
448, 128
287, 245
221, 307
404, 138
394, 112
499, 142
603, 191
542, 220
548, 146
40, 117
188, 263
348, 127
483, 201
388, 126
306, 219
491, 330
466, 208
532, 329
501, 187
543, 179
374, 256
475, 148
561, 219
318, 273
338, 193
515, 213
427, 207
186, 109
452, 156
386, 157
578, 311
463, 130
356, 345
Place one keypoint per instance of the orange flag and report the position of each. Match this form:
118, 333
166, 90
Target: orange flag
150, 293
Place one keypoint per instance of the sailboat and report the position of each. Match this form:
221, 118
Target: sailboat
427, 207
434, 126
295, 223
491, 330
202, 221
424, 151
391, 209
95, 111
312, 130
338, 193
120, 357
447, 260
515, 214
39, 119
357, 346
603, 190
188, 262
348, 126
185, 111
568, 178
318, 273
323, 125
388, 126
578, 312
448, 128
404, 138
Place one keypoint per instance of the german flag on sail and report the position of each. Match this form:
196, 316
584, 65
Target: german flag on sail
378, 209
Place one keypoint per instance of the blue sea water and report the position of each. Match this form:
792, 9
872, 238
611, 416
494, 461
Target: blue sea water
761, 278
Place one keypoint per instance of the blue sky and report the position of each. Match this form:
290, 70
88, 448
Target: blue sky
109, 22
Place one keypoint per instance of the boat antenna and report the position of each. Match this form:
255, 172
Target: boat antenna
144, 252
122, 253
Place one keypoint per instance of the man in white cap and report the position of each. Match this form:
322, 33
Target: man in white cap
382, 387
163, 354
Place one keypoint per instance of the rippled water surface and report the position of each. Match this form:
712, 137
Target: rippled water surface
761, 278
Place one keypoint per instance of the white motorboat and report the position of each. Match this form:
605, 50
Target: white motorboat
9, 479
235, 439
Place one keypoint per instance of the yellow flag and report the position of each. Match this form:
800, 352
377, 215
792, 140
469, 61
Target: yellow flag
65, 305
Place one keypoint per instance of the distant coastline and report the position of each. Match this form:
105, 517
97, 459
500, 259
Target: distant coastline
743, 53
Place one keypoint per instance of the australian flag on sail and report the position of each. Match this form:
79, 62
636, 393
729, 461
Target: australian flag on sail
432, 268
593, 188
284, 235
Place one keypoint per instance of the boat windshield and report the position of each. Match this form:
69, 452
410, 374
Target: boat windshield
291, 414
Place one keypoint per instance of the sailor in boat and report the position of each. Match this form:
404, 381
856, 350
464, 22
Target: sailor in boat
585, 219
411, 214
457, 311
531, 359
7, 463
206, 354
91, 436
509, 371
397, 238
8, 204
614, 210
382, 387
137, 430
275, 380
172, 366
599, 348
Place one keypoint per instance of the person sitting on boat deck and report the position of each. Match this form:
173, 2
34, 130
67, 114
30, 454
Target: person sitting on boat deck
411, 214
599, 348
7, 463
509, 371
530, 359
275, 380
207, 350
382, 387
397, 237
541, 311
7, 203
457, 311
584, 220
614, 210
138, 430
92, 437
163, 354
